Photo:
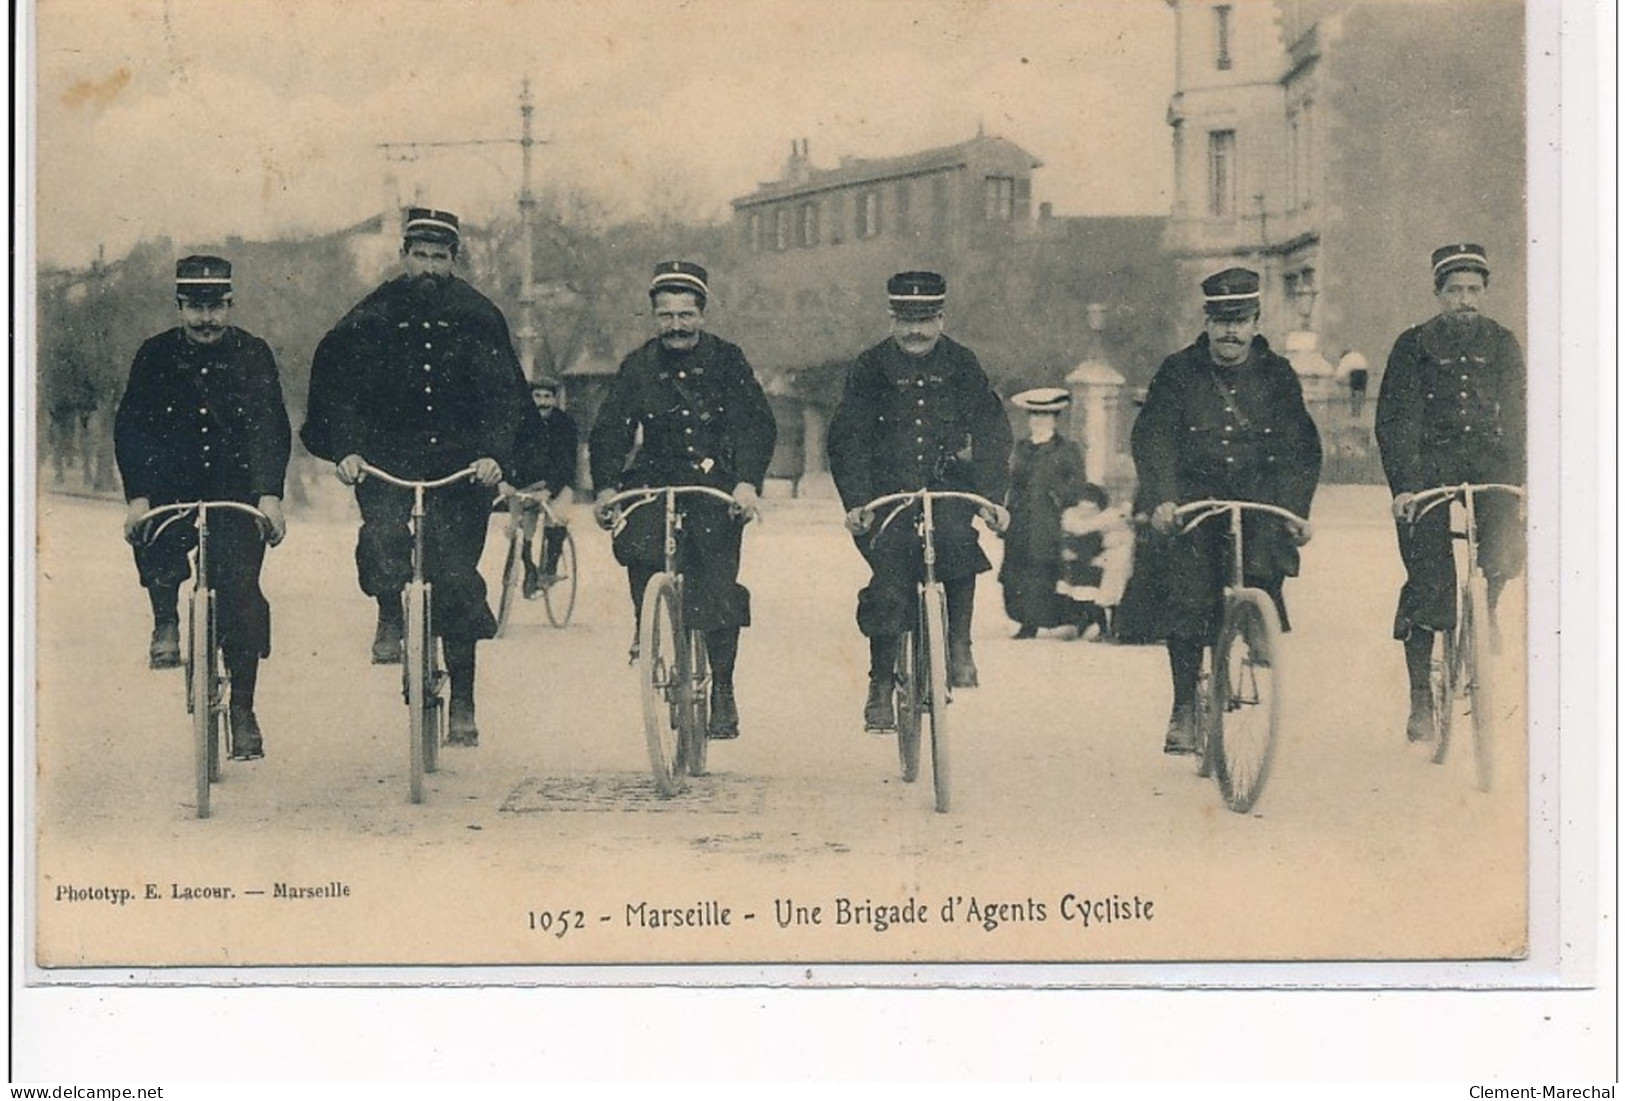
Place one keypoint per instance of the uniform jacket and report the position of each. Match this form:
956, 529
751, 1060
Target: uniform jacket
419, 380
202, 421
1238, 432
545, 450
907, 422
703, 416
1451, 407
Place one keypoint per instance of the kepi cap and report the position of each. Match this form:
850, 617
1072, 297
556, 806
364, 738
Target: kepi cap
203, 278
1043, 399
1463, 257
545, 382
1230, 293
682, 276
915, 295
426, 224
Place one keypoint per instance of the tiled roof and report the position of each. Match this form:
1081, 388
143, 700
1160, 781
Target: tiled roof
868, 170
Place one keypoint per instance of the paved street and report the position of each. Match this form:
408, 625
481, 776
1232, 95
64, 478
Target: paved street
1360, 847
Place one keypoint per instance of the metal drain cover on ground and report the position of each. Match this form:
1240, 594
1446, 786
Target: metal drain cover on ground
635, 791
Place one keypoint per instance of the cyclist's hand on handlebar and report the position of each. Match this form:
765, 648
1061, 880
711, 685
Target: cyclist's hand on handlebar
997, 517
747, 506
1162, 518
276, 523
859, 520
349, 470
602, 513
132, 519
1301, 533
1404, 506
487, 471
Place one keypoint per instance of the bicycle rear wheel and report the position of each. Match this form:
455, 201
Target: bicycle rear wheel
1480, 680
512, 573
661, 673
909, 699
699, 702
1247, 677
199, 692
934, 613
1207, 712
560, 596
418, 709
1444, 682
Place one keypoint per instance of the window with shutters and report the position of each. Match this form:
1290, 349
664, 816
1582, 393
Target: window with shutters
753, 231
781, 229
1221, 36
1221, 173
868, 222
807, 225
1001, 198
900, 207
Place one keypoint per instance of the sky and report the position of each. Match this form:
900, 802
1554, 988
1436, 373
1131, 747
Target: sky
199, 119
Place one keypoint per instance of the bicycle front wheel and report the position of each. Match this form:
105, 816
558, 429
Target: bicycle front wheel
934, 613
1480, 681
662, 673
200, 676
1207, 714
699, 702
1444, 681
512, 573
910, 698
419, 717
1247, 697
560, 595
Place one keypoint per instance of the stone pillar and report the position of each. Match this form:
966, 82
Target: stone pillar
1096, 387
815, 478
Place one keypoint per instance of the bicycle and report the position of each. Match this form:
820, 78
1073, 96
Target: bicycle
558, 593
1460, 665
206, 685
423, 677
673, 668
1239, 688
922, 659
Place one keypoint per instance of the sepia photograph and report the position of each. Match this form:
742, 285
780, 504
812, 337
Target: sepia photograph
457, 732
537, 491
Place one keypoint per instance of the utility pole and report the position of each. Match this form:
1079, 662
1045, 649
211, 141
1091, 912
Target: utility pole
411, 150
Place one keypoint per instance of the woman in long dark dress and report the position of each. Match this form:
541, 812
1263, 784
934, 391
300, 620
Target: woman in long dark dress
1046, 478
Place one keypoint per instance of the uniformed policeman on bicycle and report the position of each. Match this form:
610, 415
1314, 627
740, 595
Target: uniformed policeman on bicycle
1451, 409
686, 409
1223, 418
202, 418
420, 379
917, 412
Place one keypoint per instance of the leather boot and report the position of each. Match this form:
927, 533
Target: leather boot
247, 744
880, 710
164, 652
387, 642
724, 721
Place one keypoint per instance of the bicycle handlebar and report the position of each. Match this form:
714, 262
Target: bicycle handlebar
408, 483
649, 493
1205, 510
903, 499
1429, 499
262, 521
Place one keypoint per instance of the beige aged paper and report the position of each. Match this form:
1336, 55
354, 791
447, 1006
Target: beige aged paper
1072, 839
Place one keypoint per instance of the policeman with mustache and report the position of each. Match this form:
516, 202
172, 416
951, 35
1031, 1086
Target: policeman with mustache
202, 418
1223, 418
1451, 409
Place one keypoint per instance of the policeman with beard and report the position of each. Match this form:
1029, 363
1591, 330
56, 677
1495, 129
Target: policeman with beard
686, 409
202, 418
420, 379
1223, 418
1451, 409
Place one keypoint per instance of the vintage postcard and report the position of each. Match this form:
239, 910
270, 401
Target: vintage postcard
1026, 789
